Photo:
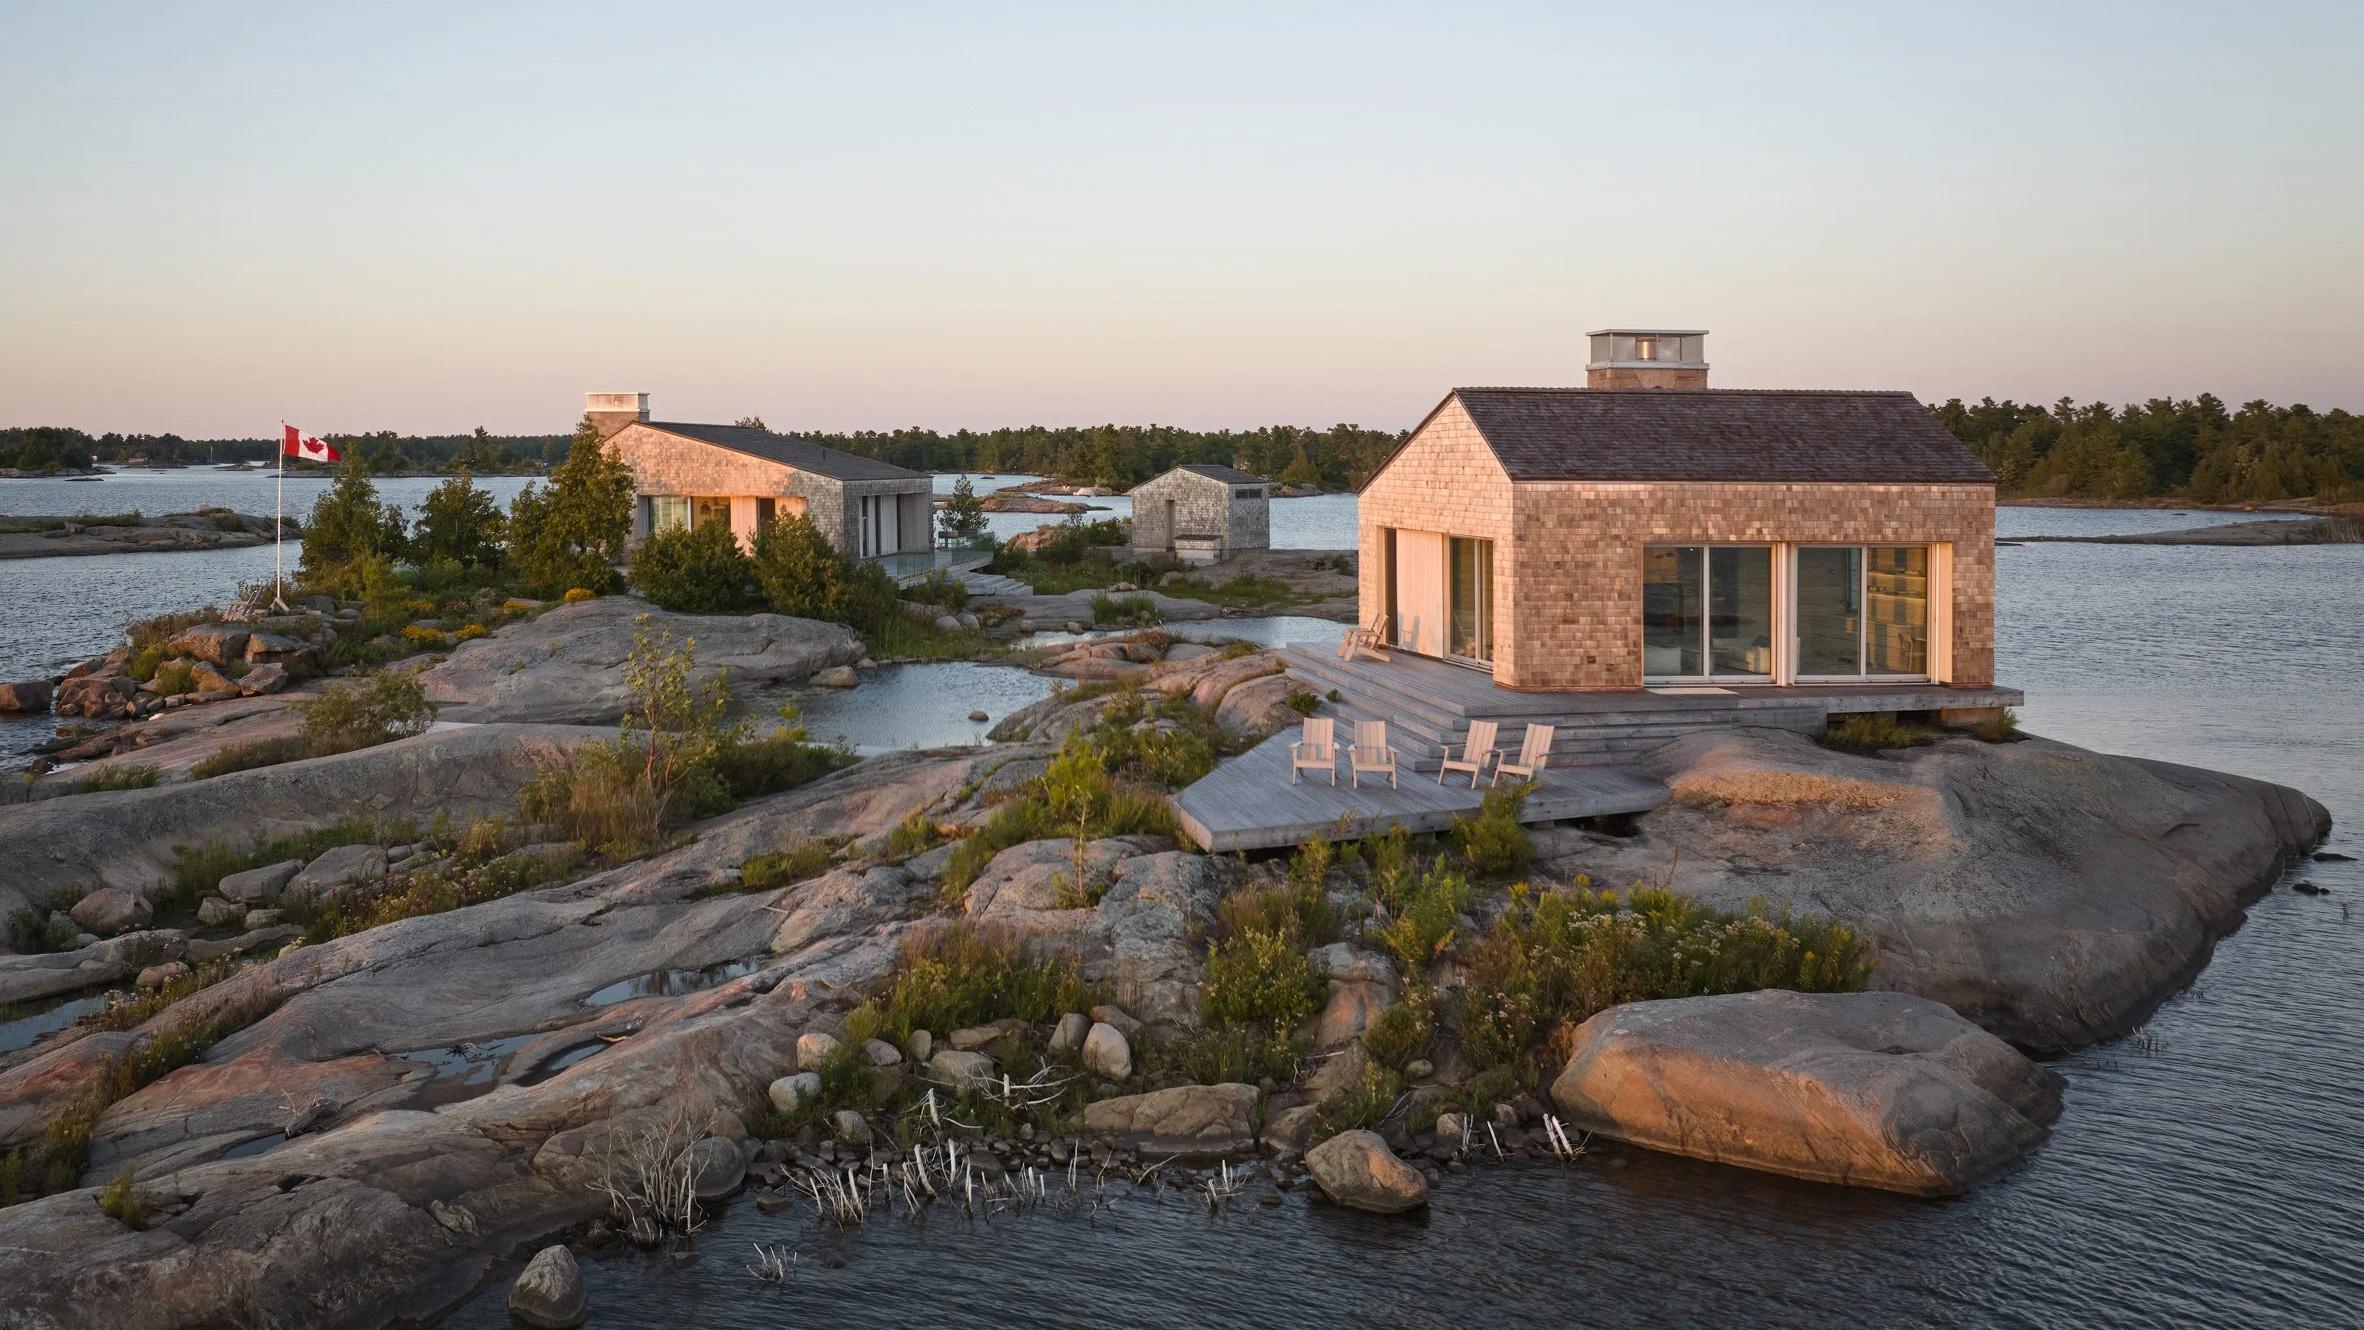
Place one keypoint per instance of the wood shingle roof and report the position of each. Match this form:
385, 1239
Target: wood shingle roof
1718, 434
788, 450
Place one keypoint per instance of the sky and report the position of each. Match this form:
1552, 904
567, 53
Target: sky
427, 217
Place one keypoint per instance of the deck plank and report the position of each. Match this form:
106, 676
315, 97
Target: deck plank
1247, 802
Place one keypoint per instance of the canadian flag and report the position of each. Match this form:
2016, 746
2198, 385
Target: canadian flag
300, 444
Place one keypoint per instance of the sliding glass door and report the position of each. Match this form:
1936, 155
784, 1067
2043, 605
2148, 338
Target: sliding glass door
1862, 611
1469, 584
1707, 612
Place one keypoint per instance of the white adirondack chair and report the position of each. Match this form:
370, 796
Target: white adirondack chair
1316, 750
1369, 752
1371, 640
1534, 755
1476, 751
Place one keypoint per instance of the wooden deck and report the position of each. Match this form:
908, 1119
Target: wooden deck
1247, 802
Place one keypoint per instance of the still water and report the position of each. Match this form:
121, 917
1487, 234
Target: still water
2208, 1172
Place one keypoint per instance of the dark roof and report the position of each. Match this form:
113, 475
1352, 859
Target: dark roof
1229, 475
803, 454
1739, 434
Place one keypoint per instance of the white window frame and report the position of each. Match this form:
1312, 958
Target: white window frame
1940, 595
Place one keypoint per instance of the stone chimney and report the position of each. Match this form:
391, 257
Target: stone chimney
610, 412
1647, 358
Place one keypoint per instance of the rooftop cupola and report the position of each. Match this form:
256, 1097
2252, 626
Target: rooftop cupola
610, 412
1647, 358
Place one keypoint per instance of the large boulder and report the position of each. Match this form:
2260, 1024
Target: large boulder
1192, 1121
549, 1293
338, 868
214, 643
567, 665
112, 910
1870, 1089
1106, 1053
1357, 1170
2053, 895
25, 695
256, 885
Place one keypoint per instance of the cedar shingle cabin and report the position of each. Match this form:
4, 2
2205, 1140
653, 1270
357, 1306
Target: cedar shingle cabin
1200, 512
685, 475
1646, 529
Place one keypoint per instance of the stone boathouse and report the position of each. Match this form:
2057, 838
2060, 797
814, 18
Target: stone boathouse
1201, 512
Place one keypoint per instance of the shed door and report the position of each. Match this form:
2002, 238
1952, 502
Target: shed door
1420, 592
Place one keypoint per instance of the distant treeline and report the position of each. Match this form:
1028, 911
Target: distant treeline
62, 448
1339, 457
2194, 449
2191, 449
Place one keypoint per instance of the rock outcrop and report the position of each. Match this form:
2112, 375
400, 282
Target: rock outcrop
566, 666
1187, 1121
2053, 895
1868, 1089
549, 1293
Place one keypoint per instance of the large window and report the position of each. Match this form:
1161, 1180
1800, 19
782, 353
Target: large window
1707, 612
668, 512
1862, 610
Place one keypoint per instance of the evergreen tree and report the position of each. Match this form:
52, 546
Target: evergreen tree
963, 517
459, 523
573, 533
347, 528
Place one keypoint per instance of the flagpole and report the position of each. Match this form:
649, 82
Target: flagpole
278, 513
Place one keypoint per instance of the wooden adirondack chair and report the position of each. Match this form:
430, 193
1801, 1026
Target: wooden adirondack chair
1476, 751
1534, 755
1317, 750
1370, 752
1371, 640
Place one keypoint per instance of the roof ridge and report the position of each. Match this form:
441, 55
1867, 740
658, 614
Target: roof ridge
1690, 392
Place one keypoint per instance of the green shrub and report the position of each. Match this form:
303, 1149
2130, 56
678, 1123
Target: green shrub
798, 571
1492, 838
914, 835
1368, 1104
247, 756
1561, 957
436, 891
459, 526
127, 777
1136, 609
955, 975
1092, 804
34, 931
569, 535
1398, 1033
1423, 926
1304, 702
1233, 1055
175, 676
1247, 591
348, 527
780, 868
939, 590
694, 570
1872, 732
780, 760
1259, 978
2000, 728
199, 870
370, 709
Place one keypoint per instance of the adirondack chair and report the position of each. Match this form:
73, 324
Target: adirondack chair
1370, 752
1316, 751
1476, 751
1534, 755
1359, 640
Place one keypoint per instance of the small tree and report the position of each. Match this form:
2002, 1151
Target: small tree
798, 571
460, 523
347, 526
572, 533
694, 571
963, 518
372, 708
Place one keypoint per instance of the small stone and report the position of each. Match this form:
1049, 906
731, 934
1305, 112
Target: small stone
1420, 1069
881, 1053
549, 1294
1452, 1133
961, 1071
259, 884
1125, 1025
851, 1129
716, 1167
813, 1047
214, 912
1357, 1170
1068, 1035
788, 1092
455, 1218
979, 716
1106, 1052
344, 866
837, 676
256, 919
919, 1045
157, 976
